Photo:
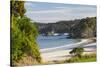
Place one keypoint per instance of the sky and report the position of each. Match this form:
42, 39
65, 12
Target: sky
43, 12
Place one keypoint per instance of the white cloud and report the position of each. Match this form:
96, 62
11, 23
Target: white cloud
50, 11
30, 4
61, 7
58, 13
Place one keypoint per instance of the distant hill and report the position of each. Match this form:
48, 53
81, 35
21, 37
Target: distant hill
58, 27
76, 28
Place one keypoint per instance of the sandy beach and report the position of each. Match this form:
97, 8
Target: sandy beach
62, 52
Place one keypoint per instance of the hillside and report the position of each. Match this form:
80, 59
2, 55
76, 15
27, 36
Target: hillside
76, 28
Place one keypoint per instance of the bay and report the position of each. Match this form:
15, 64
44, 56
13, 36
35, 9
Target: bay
54, 41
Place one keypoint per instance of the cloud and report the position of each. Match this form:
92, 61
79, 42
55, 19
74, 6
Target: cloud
44, 13
61, 7
62, 11
30, 4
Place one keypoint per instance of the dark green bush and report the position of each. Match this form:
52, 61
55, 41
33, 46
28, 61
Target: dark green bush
77, 51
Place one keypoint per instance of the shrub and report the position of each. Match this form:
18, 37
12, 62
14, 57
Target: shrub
77, 51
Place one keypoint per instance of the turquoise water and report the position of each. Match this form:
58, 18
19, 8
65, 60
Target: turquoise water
54, 41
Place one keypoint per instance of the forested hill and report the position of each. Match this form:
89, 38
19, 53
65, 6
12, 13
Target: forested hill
58, 27
85, 27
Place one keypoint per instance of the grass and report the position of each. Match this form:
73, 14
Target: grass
75, 59
84, 58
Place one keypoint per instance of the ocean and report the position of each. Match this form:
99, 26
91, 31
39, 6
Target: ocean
54, 41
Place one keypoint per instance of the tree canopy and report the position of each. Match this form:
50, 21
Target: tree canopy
86, 28
77, 51
23, 35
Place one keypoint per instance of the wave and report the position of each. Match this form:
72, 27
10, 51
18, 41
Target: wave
65, 46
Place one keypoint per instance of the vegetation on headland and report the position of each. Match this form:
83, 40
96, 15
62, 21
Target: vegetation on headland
57, 27
24, 49
80, 28
86, 28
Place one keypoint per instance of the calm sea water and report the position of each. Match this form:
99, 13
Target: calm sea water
54, 41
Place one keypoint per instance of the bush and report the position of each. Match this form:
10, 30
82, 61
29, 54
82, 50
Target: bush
23, 35
84, 58
77, 51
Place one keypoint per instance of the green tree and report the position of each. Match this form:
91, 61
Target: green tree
23, 35
86, 28
77, 51
17, 8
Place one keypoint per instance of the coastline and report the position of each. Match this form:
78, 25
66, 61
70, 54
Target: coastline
62, 52
65, 46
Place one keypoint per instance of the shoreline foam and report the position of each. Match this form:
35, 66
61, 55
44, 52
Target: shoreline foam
65, 46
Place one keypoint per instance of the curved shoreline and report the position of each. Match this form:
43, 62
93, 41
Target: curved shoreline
62, 52
65, 46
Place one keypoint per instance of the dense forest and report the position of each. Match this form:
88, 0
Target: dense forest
79, 28
24, 49
58, 27
86, 28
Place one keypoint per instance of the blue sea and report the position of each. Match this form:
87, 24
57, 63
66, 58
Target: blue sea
54, 41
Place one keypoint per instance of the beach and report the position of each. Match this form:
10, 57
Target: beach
62, 52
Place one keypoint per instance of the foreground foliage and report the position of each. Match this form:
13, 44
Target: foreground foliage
23, 37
